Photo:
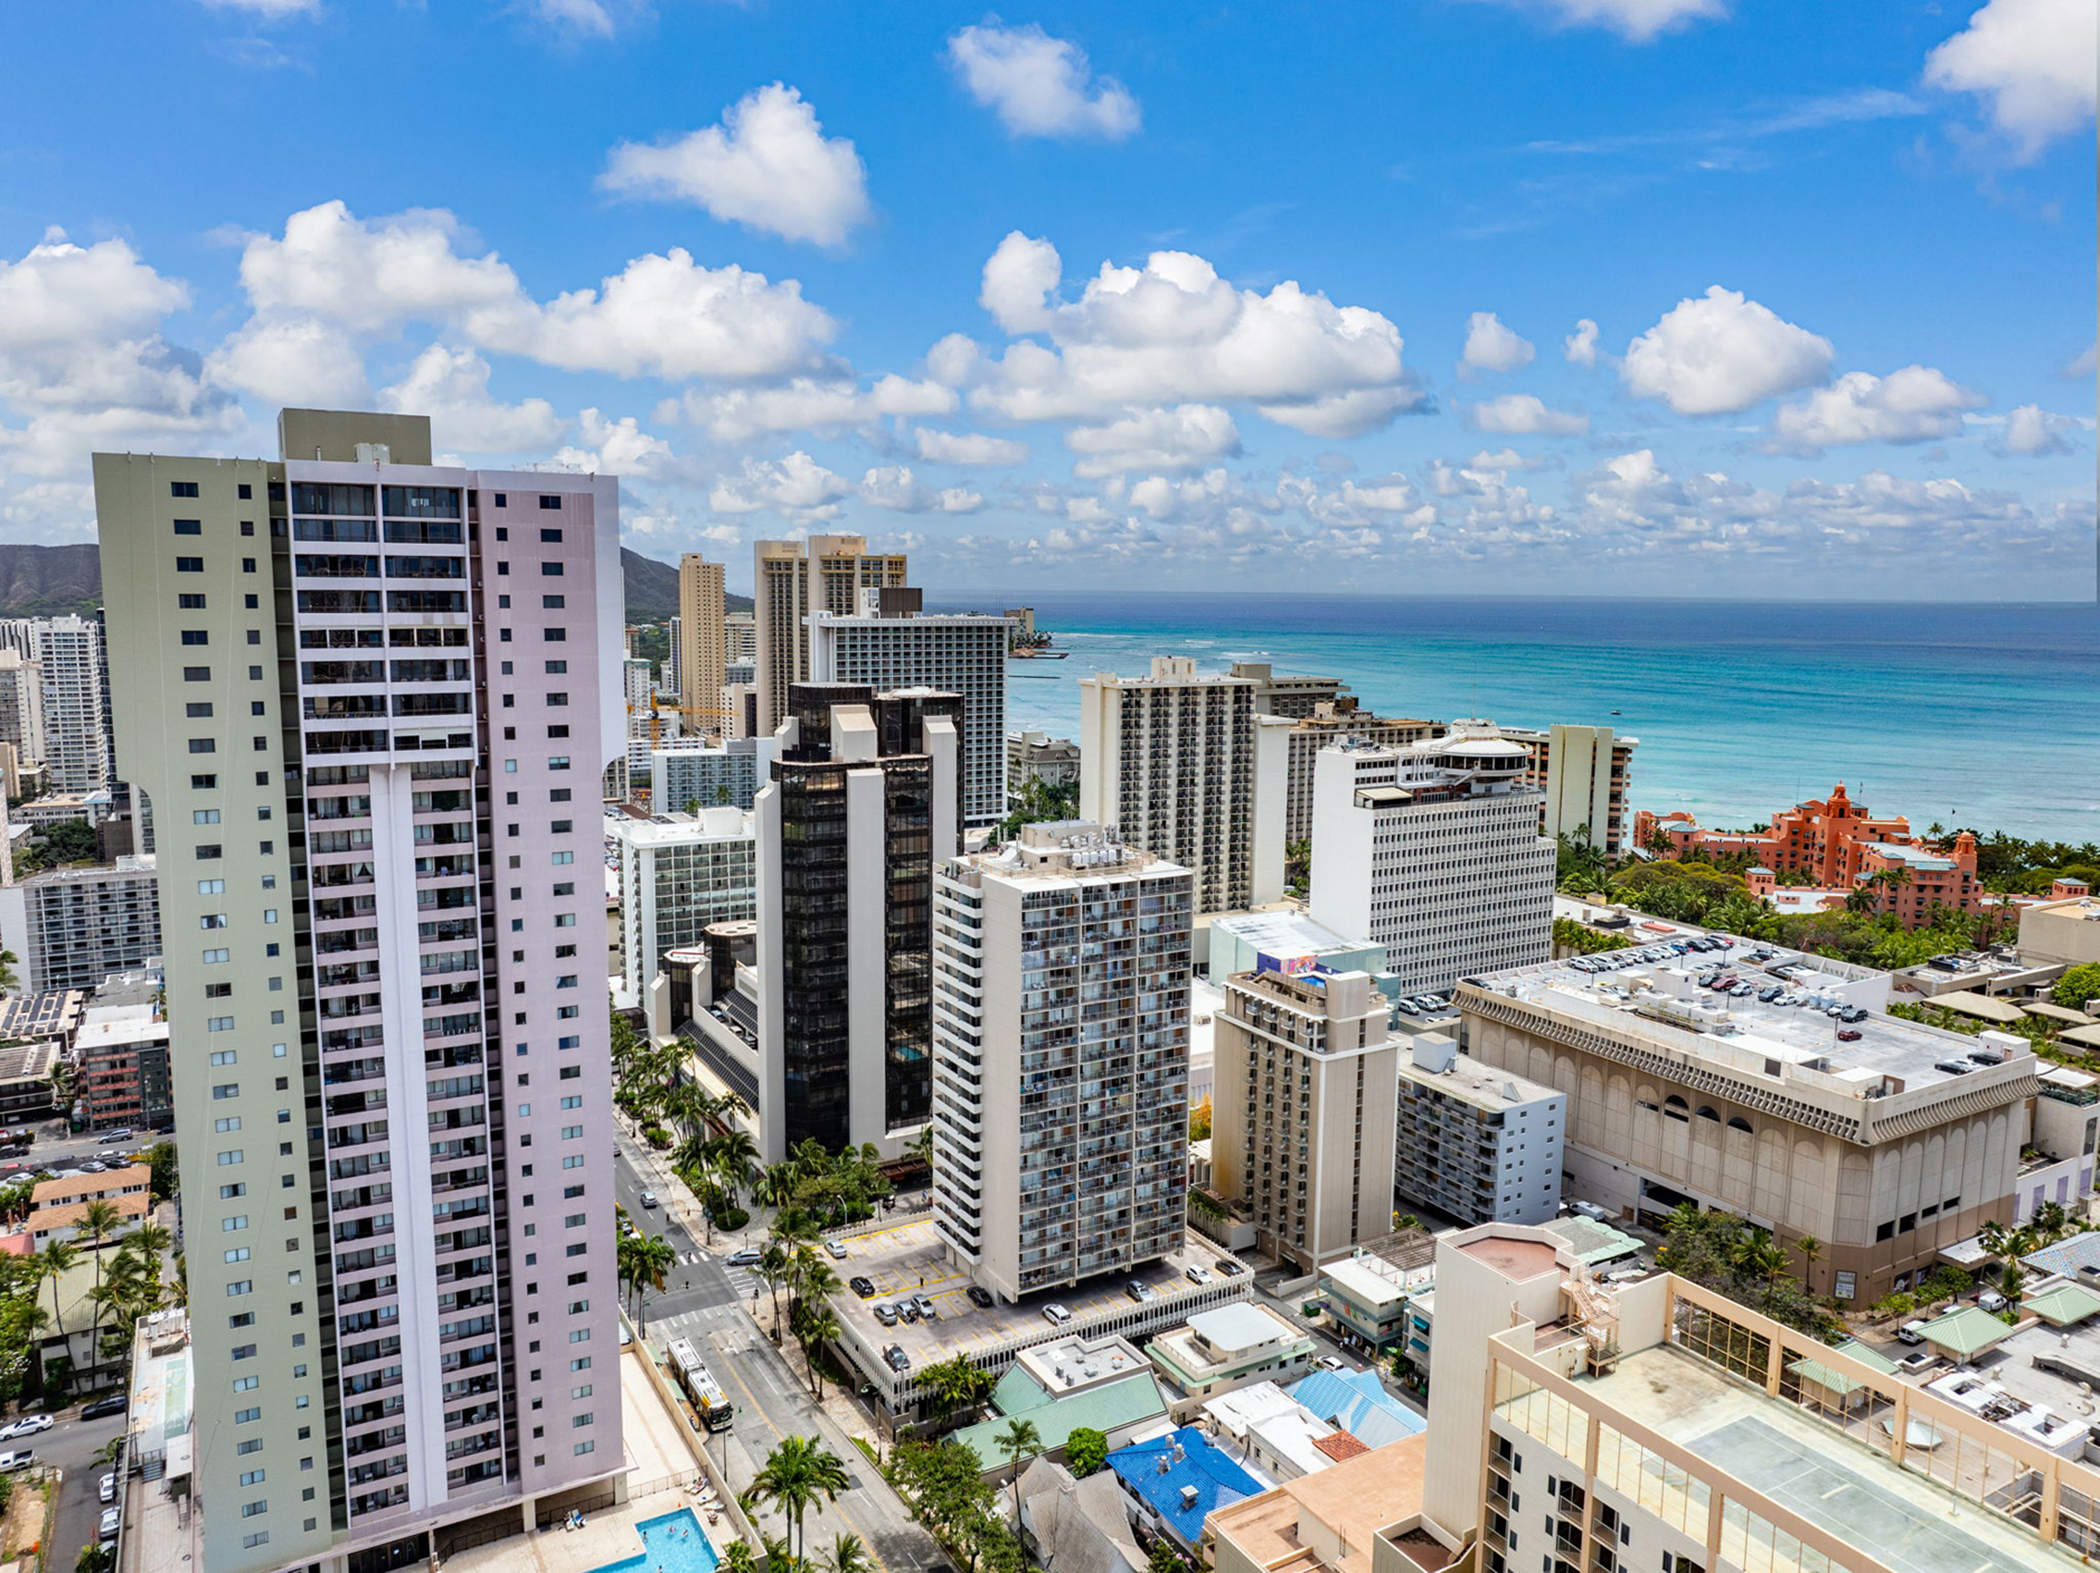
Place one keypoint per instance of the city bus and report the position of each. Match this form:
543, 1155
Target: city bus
708, 1399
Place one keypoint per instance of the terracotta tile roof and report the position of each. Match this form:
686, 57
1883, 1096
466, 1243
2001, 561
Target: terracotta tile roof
129, 1210
1339, 1445
78, 1187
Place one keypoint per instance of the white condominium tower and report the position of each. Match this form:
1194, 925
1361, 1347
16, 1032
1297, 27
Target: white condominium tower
890, 643
69, 655
790, 581
1433, 851
1061, 1057
1187, 767
370, 698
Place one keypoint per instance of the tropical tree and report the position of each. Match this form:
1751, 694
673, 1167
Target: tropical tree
1811, 1250
653, 1257
53, 1262
1086, 1450
955, 1384
846, 1554
99, 1219
797, 1472
772, 1268
1020, 1439
815, 1325
738, 1557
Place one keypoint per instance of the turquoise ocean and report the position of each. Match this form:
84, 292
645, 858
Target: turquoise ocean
1980, 715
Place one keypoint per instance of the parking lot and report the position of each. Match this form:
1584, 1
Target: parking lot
906, 1260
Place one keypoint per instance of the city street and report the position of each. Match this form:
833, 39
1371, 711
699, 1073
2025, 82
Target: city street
709, 1304
53, 1148
71, 1446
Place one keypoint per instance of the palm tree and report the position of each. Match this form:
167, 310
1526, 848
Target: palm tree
54, 1261
738, 1557
733, 1155
653, 1257
1811, 1250
955, 1384
1020, 1437
798, 1471
99, 1219
772, 1270
815, 1324
846, 1555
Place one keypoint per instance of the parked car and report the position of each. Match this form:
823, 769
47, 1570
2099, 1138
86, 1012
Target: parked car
1911, 1332
1848, 1035
107, 1490
887, 1315
1196, 1275
863, 1287
115, 1404
928, 1311
111, 1138
20, 1458
1056, 1315
111, 1518
834, 1250
26, 1425
1140, 1292
980, 1296
1230, 1268
1990, 1300
897, 1358
1330, 1363
649, 1199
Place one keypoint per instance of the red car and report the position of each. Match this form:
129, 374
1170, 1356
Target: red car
1848, 1036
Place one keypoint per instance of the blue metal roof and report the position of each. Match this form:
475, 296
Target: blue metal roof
2079, 1253
1358, 1402
1189, 1460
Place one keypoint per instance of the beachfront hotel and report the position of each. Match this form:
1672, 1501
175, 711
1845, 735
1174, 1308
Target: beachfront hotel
369, 697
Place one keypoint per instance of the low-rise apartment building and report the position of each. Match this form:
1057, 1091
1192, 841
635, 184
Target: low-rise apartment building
73, 927
1229, 1347
678, 874
121, 1076
1475, 1143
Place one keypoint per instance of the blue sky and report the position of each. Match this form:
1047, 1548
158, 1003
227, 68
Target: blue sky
793, 267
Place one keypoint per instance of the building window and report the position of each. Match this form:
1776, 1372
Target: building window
549, 502
182, 489
189, 565
189, 526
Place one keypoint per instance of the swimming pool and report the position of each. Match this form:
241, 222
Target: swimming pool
671, 1543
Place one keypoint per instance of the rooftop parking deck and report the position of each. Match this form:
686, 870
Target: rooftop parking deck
1645, 991
906, 1260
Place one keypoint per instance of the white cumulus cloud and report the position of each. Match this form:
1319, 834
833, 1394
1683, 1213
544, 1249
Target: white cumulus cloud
796, 487
1040, 86
1580, 347
1720, 354
1490, 346
1181, 438
615, 447
2031, 61
814, 404
452, 388
1173, 332
298, 361
767, 166
894, 487
1636, 20
661, 315
2031, 431
1524, 414
968, 447
1912, 404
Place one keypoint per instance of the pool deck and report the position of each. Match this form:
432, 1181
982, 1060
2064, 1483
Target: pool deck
657, 1448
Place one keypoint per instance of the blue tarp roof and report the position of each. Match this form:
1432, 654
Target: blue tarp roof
1190, 1461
